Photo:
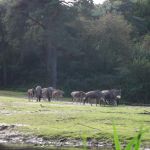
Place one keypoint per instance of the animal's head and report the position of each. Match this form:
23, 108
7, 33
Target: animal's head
84, 98
118, 94
51, 88
62, 92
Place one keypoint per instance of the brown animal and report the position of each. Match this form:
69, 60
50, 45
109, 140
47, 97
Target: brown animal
56, 94
77, 96
30, 94
91, 95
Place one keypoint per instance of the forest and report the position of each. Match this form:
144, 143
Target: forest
76, 46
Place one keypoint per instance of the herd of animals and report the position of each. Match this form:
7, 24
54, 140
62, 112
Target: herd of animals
109, 97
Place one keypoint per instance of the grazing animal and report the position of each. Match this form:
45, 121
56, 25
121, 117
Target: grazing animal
30, 93
97, 95
44, 93
56, 94
38, 93
77, 96
112, 96
47, 93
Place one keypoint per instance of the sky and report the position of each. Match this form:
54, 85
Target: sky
98, 1
95, 1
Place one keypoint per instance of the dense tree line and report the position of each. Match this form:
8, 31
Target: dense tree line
76, 45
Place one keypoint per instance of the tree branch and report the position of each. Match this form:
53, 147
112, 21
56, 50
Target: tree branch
37, 22
55, 13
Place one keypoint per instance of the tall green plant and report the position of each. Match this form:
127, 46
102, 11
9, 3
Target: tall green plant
134, 144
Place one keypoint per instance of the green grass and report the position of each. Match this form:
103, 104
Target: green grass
12, 93
63, 119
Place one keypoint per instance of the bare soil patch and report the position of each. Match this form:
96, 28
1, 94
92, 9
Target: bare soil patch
9, 135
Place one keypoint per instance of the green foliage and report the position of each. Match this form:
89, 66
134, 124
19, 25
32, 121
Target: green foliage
136, 77
84, 140
116, 139
79, 46
146, 43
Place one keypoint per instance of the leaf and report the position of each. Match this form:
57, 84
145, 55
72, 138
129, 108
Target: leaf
136, 141
84, 140
116, 139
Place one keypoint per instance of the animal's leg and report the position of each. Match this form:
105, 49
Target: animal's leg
91, 102
104, 102
49, 99
96, 102
100, 102
28, 98
39, 99
115, 102
80, 101
84, 101
32, 98
72, 100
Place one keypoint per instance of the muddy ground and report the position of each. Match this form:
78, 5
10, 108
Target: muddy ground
10, 136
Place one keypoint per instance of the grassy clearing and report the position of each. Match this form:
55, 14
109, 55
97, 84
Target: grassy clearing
64, 119
12, 94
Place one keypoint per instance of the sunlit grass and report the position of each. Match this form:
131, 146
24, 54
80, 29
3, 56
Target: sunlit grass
12, 93
64, 119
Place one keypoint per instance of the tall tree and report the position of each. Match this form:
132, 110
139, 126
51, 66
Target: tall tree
4, 47
46, 21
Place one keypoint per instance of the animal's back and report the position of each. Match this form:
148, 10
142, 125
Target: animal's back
74, 93
93, 94
38, 90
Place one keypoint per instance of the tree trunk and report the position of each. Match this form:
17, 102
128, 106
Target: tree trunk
54, 67
52, 64
48, 64
4, 73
